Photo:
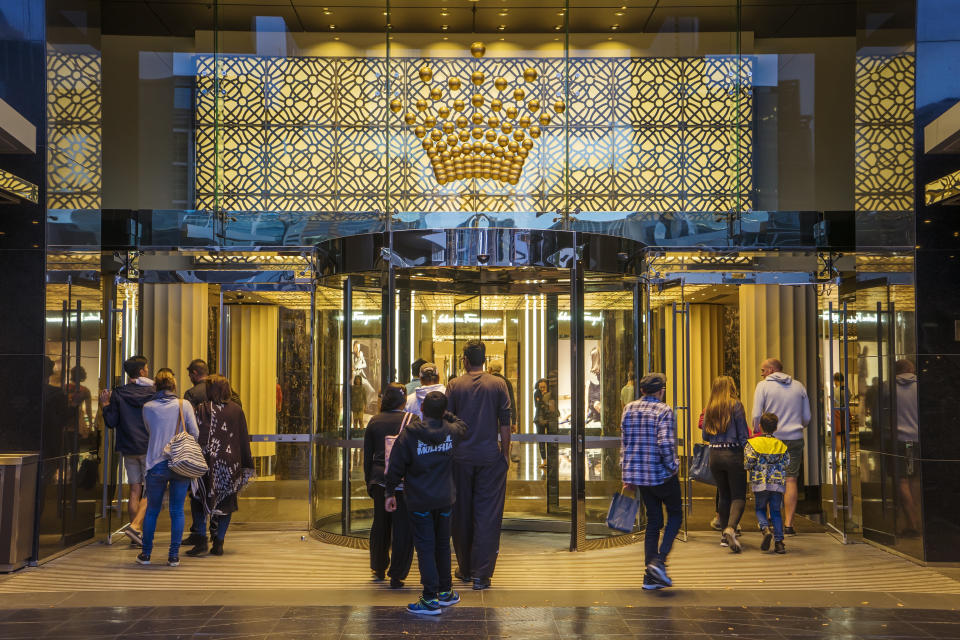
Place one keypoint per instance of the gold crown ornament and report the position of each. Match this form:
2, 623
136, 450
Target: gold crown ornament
465, 134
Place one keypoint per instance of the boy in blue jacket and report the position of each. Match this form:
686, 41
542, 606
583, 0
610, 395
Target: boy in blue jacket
422, 458
765, 459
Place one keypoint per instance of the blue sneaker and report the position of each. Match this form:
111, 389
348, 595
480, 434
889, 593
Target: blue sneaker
658, 571
649, 584
447, 598
425, 607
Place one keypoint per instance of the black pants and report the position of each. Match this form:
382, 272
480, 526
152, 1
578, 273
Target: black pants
654, 500
477, 516
431, 537
727, 468
391, 543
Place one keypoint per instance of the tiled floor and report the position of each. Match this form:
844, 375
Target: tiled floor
467, 623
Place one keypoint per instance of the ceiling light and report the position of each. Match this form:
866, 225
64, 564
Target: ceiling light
336, 37
327, 12
502, 27
558, 27
444, 27
502, 12
618, 13
444, 12
614, 27
333, 26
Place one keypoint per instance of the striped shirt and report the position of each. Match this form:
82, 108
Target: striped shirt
648, 442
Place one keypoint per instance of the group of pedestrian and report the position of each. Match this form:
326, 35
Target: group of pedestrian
767, 457
146, 415
436, 464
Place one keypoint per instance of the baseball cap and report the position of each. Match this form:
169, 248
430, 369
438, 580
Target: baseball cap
653, 382
428, 368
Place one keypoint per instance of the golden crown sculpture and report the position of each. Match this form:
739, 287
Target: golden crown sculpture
500, 149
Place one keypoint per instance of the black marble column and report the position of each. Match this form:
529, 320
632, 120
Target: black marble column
937, 293
22, 234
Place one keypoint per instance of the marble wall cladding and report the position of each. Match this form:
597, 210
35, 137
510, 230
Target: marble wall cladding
731, 342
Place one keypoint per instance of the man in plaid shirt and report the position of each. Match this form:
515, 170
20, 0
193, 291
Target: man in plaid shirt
648, 450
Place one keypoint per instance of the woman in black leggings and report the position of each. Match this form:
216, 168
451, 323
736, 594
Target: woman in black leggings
725, 428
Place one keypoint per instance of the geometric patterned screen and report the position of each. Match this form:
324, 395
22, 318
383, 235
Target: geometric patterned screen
883, 130
316, 134
74, 137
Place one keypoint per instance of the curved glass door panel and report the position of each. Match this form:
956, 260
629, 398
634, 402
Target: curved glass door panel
326, 474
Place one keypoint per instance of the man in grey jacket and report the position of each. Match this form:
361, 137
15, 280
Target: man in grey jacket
778, 393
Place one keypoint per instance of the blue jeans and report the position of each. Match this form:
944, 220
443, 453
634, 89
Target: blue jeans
774, 500
158, 477
218, 524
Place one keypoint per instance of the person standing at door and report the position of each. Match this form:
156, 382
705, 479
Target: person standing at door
422, 458
725, 429
480, 467
123, 412
357, 403
780, 394
391, 544
627, 391
496, 369
226, 445
429, 381
546, 416
163, 416
649, 463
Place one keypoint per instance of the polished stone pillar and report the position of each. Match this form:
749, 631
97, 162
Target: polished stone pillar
253, 369
175, 325
780, 322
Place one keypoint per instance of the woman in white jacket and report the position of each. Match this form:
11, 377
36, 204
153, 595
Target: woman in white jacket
163, 417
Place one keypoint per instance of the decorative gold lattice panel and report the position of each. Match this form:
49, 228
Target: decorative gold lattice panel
317, 134
883, 130
74, 139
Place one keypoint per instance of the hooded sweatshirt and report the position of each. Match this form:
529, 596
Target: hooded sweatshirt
780, 394
415, 399
422, 457
125, 415
161, 416
907, 429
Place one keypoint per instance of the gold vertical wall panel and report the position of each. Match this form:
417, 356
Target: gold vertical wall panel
779, 322
706, 356
175, 324
253, 369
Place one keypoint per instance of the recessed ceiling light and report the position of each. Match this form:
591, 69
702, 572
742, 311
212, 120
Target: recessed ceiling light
503, 12
558, 27
444, 12
336, 37
618, 13
614, 27
327, 12
333, 26
444, 27
502, 27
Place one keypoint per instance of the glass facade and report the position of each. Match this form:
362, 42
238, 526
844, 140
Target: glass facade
762, 155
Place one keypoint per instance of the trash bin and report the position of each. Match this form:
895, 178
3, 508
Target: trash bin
18, 494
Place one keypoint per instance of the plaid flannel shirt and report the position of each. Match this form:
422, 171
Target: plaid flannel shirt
648, 442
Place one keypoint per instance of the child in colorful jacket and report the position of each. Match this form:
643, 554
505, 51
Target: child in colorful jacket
765, 458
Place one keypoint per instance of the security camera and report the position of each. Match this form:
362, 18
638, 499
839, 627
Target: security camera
483, 258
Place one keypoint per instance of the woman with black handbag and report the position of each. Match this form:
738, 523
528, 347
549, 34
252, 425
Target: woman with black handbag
226, 446
725, 428
165, 417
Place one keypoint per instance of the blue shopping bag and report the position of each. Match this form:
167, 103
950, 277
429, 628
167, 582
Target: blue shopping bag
700, 464
623, 512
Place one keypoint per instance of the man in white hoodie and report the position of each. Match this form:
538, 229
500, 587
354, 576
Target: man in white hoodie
778, 393
429, 381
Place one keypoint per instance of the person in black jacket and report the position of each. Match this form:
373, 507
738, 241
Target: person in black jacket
123, 412
388, 530
422, 458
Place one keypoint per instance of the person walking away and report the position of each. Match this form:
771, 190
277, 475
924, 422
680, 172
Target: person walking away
780, 394
163, 417
123, 412
627, 391
391, 542
226, 446
357, 403
415, 370
422, 457
725, 429
649, 462
429, 381
546, 417
480, 466
496, 369
765, 459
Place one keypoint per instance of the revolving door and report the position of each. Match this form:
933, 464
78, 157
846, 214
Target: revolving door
557, 314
